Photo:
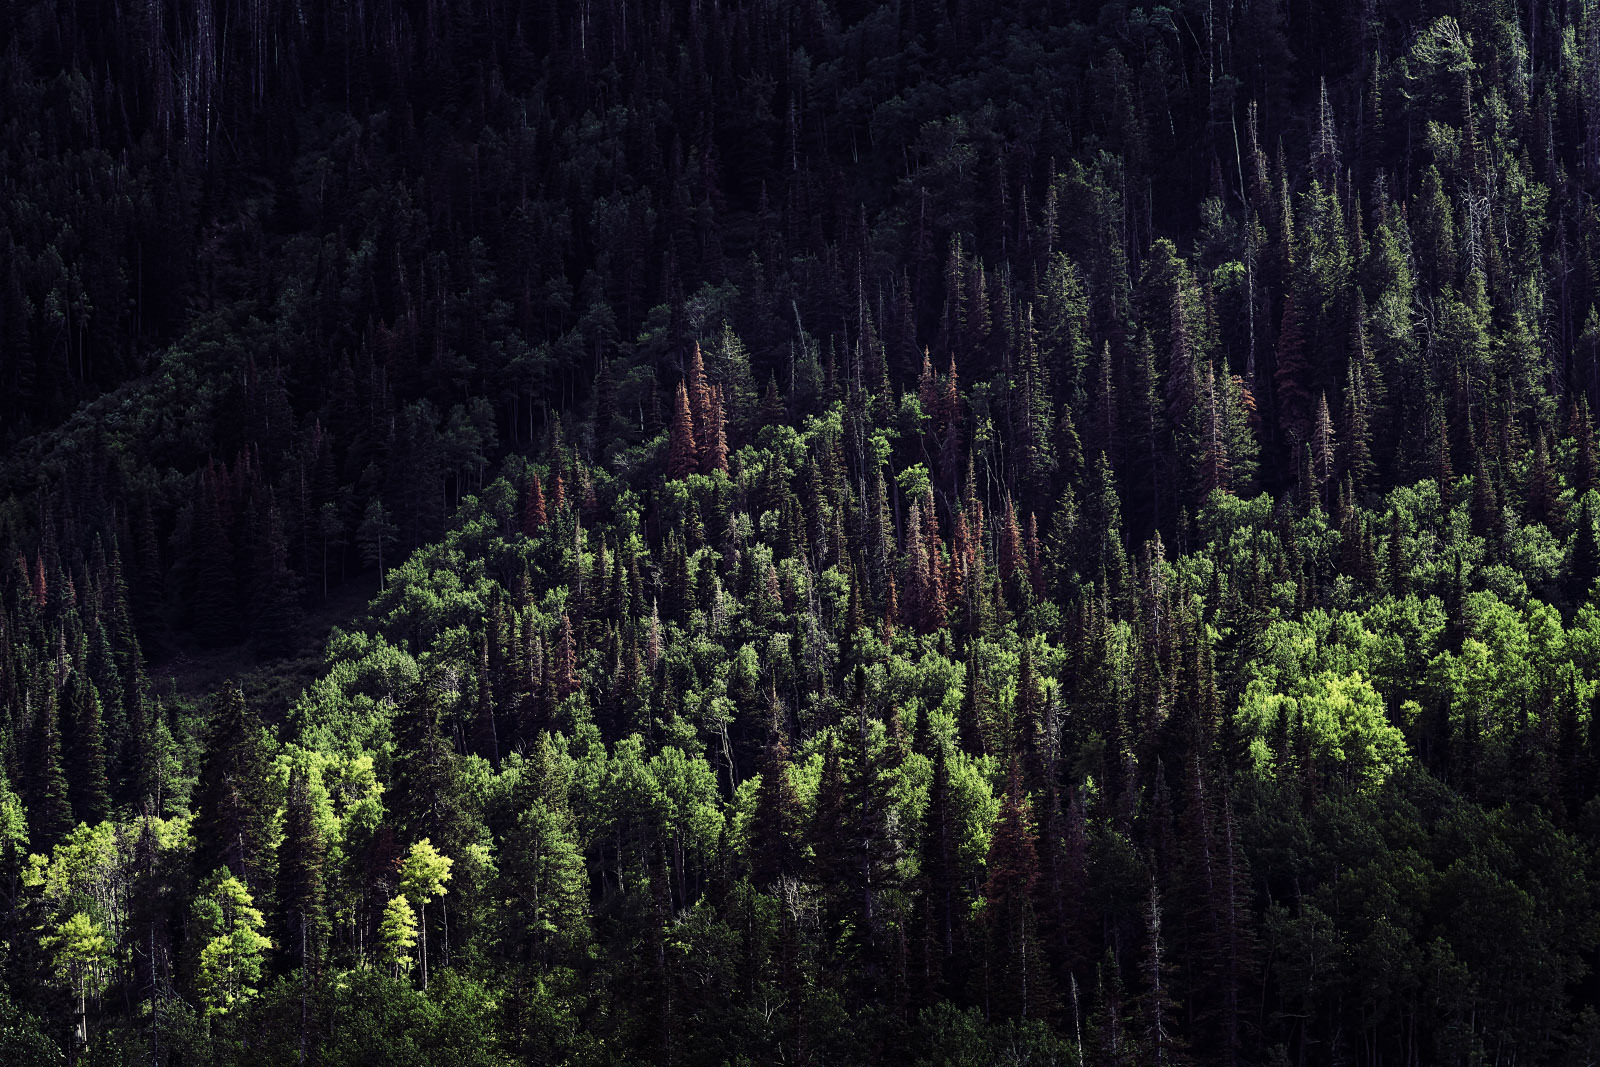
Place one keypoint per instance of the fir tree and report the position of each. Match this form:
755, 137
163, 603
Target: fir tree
301, 897
88, 787
233, 829
1016, 984
776, 834
49, 805
683, 454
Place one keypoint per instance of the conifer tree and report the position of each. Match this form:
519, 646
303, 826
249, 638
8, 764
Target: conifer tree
1355, 435
971, 721
534, 515
1062, 321
873, 851
715, 444
301, 897
1583, 558
88, 787
1028, 726
1585, 472
215, 597
1016, 983
1213, 460
48, 796
683, 454
426, 795
1542, 490
275, 596
233, 829
776, 834
1322, 446
1292, 377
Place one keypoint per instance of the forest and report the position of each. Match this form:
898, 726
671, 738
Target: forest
815, 532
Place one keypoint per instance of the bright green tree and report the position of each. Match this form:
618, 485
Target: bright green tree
227, 927
423, 874
80, 953
397, 935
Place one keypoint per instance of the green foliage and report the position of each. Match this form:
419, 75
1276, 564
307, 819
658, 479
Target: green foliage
231, 947
397, 935
1339, 720
936, 533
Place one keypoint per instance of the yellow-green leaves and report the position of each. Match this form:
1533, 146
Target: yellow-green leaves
1336, 721
228, 928
79, 952
397, 935
424, 872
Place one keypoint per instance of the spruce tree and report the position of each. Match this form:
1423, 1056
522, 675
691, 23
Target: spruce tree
683, 455
301, 897
776, 833
235, 797
48, 800
1015, 976
88, 786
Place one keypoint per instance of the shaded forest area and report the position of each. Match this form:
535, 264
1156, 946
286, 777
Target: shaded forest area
937, 533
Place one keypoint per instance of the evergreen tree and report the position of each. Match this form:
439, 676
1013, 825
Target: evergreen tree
88, 786
49, 807
683, 454
777, 831
236, 802
1583, 557
275, 591
1016, 982
301, 924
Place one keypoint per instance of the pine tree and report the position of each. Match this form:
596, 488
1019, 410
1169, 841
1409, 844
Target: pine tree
1583, 559
1028, 726
427, 794
1355, 436
1213, 464
215, 598
683, 455
1063, 325
715, 444
1585, 472
233, 829
301, 897
1157, 1004
1322, 446
275, 596
829, 825
1016, 984
698, 394
1543, 490
564, 663
48, 805
485, 730
88, 787
922, 603
1012, 561
1037, 417
1105, 555
873, 851
534, 516
1292, 378
938, 881
776, 832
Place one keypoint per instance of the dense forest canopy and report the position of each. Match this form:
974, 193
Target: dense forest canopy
747, 531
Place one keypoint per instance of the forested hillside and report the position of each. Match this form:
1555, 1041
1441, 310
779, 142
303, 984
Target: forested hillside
939, 533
